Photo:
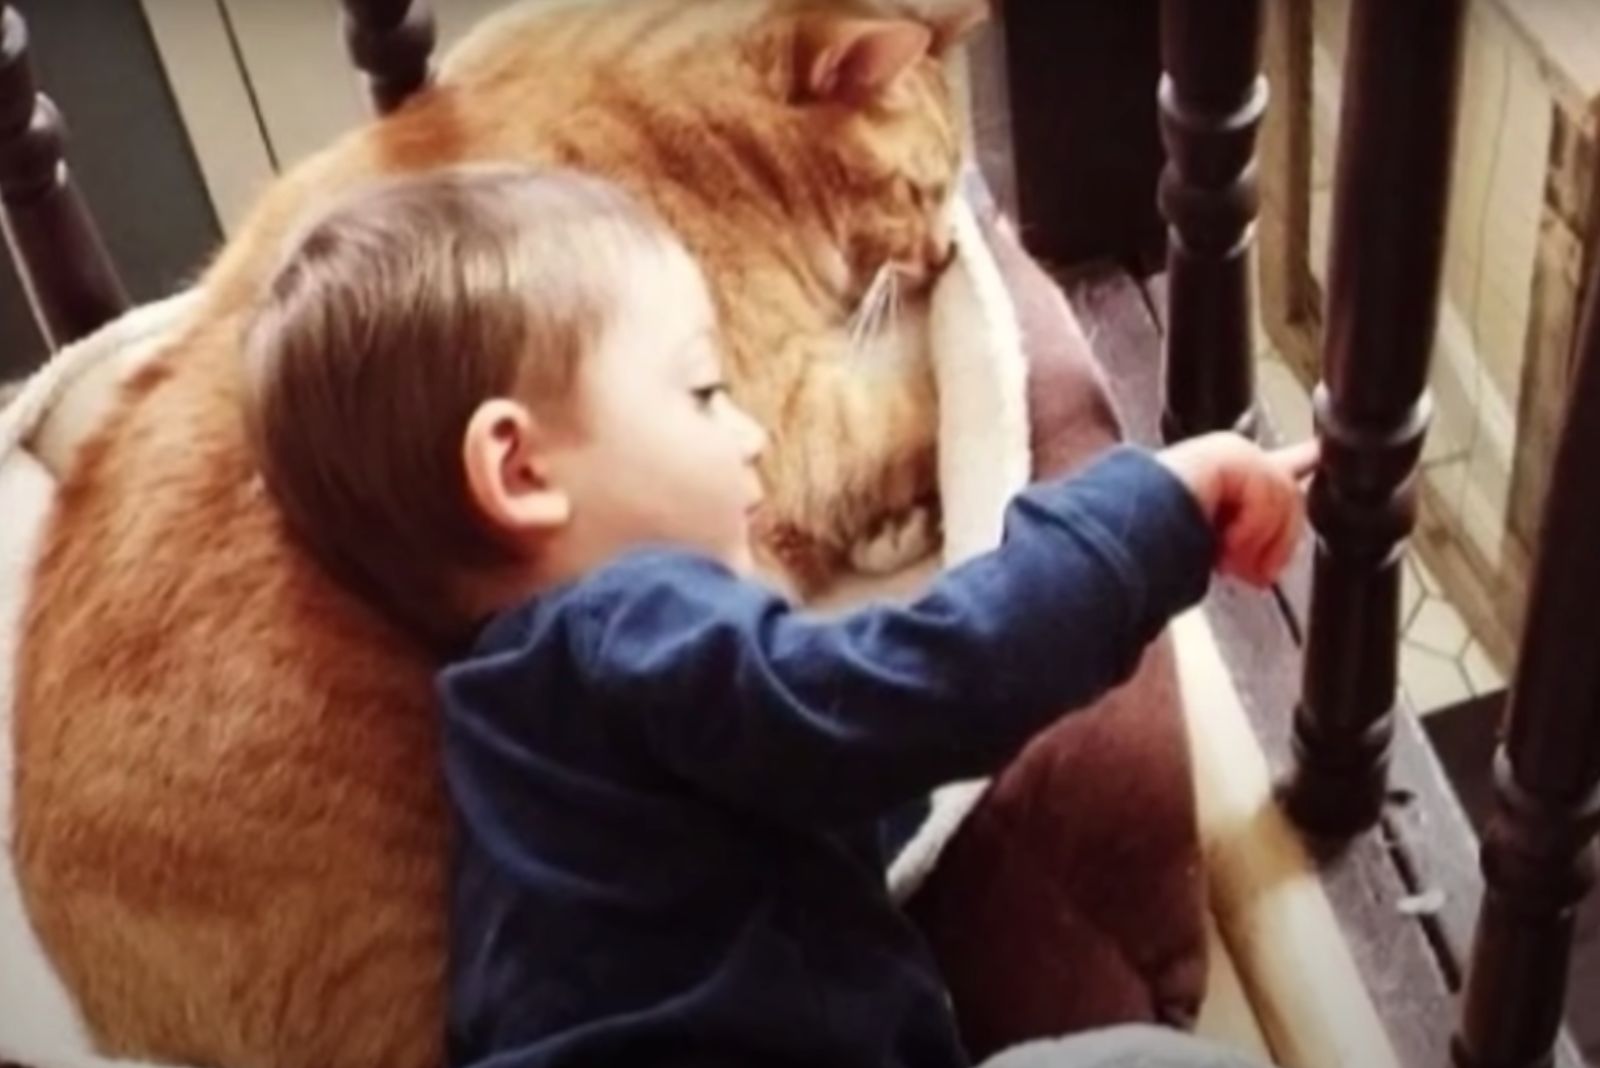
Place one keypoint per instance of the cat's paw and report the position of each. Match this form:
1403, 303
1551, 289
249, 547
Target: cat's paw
791, 559
900, 542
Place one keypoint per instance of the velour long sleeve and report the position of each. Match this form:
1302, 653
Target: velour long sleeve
744, 697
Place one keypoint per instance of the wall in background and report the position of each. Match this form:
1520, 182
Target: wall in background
127, 149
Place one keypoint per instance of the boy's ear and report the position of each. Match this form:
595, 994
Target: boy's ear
505, 472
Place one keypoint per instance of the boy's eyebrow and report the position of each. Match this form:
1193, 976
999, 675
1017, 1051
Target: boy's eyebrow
699, 348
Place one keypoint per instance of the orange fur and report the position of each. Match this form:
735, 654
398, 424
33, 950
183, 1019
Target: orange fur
231, 831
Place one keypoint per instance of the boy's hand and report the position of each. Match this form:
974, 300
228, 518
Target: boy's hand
1252, 498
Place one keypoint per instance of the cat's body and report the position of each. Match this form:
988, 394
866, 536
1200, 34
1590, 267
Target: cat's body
231, 832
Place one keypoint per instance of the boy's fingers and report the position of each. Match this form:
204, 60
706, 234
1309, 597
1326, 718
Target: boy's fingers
1251, 558
1297, 461
1283, 546
1264, 561
1260, 530
1262, 550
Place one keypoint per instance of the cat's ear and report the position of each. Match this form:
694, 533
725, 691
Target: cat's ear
952, 27
856, 60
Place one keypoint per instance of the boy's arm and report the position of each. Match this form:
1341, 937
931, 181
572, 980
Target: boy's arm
813, 720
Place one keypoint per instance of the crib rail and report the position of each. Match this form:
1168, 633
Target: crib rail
391, 42
1212, 99
1390, 195
71, 284
1538, 856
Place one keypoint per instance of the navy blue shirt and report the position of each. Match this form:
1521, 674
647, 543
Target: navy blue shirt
667, 782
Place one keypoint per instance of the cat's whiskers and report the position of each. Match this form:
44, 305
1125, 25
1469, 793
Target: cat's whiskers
895, 290
866, 320
883, 314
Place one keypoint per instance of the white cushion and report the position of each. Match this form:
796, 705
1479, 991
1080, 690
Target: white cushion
65, 401
39, 1017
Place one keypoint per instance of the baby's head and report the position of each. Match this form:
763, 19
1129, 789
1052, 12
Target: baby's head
468, 386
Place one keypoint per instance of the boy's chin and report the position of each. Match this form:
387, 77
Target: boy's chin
741, 561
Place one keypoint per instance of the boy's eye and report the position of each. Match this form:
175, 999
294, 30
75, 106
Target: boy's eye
705, 396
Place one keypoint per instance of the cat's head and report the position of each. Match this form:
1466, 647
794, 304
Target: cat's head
868, 95
827, 123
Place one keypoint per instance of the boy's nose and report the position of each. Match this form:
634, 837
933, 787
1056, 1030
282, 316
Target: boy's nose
754, 434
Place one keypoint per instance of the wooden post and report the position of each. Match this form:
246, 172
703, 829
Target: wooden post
1537, 857
64, 268
1212, 100
1086, 177
1391, 191
391, 42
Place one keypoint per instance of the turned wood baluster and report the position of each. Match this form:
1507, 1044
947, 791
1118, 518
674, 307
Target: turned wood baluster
391, 42
64, 268
1538, 857
1212, 100
1391, 191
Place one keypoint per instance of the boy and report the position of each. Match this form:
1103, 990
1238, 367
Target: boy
492, 395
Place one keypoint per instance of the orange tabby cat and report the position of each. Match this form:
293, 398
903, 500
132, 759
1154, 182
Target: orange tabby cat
230, 827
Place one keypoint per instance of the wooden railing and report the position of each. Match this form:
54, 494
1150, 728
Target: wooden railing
1371, 410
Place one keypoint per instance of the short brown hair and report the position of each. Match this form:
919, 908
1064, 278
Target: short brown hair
392, 316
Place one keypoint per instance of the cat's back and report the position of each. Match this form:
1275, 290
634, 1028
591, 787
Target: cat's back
228, 823
189, 841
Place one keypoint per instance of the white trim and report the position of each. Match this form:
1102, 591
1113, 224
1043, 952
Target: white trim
984, 459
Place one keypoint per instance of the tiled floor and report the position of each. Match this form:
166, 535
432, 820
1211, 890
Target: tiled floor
1441, 664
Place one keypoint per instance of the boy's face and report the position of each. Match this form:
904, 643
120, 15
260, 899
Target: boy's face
658, 452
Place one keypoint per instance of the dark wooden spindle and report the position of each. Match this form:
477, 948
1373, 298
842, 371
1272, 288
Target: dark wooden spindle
1537, 855
1391, 191
1212, 100
64, 268
391, 41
